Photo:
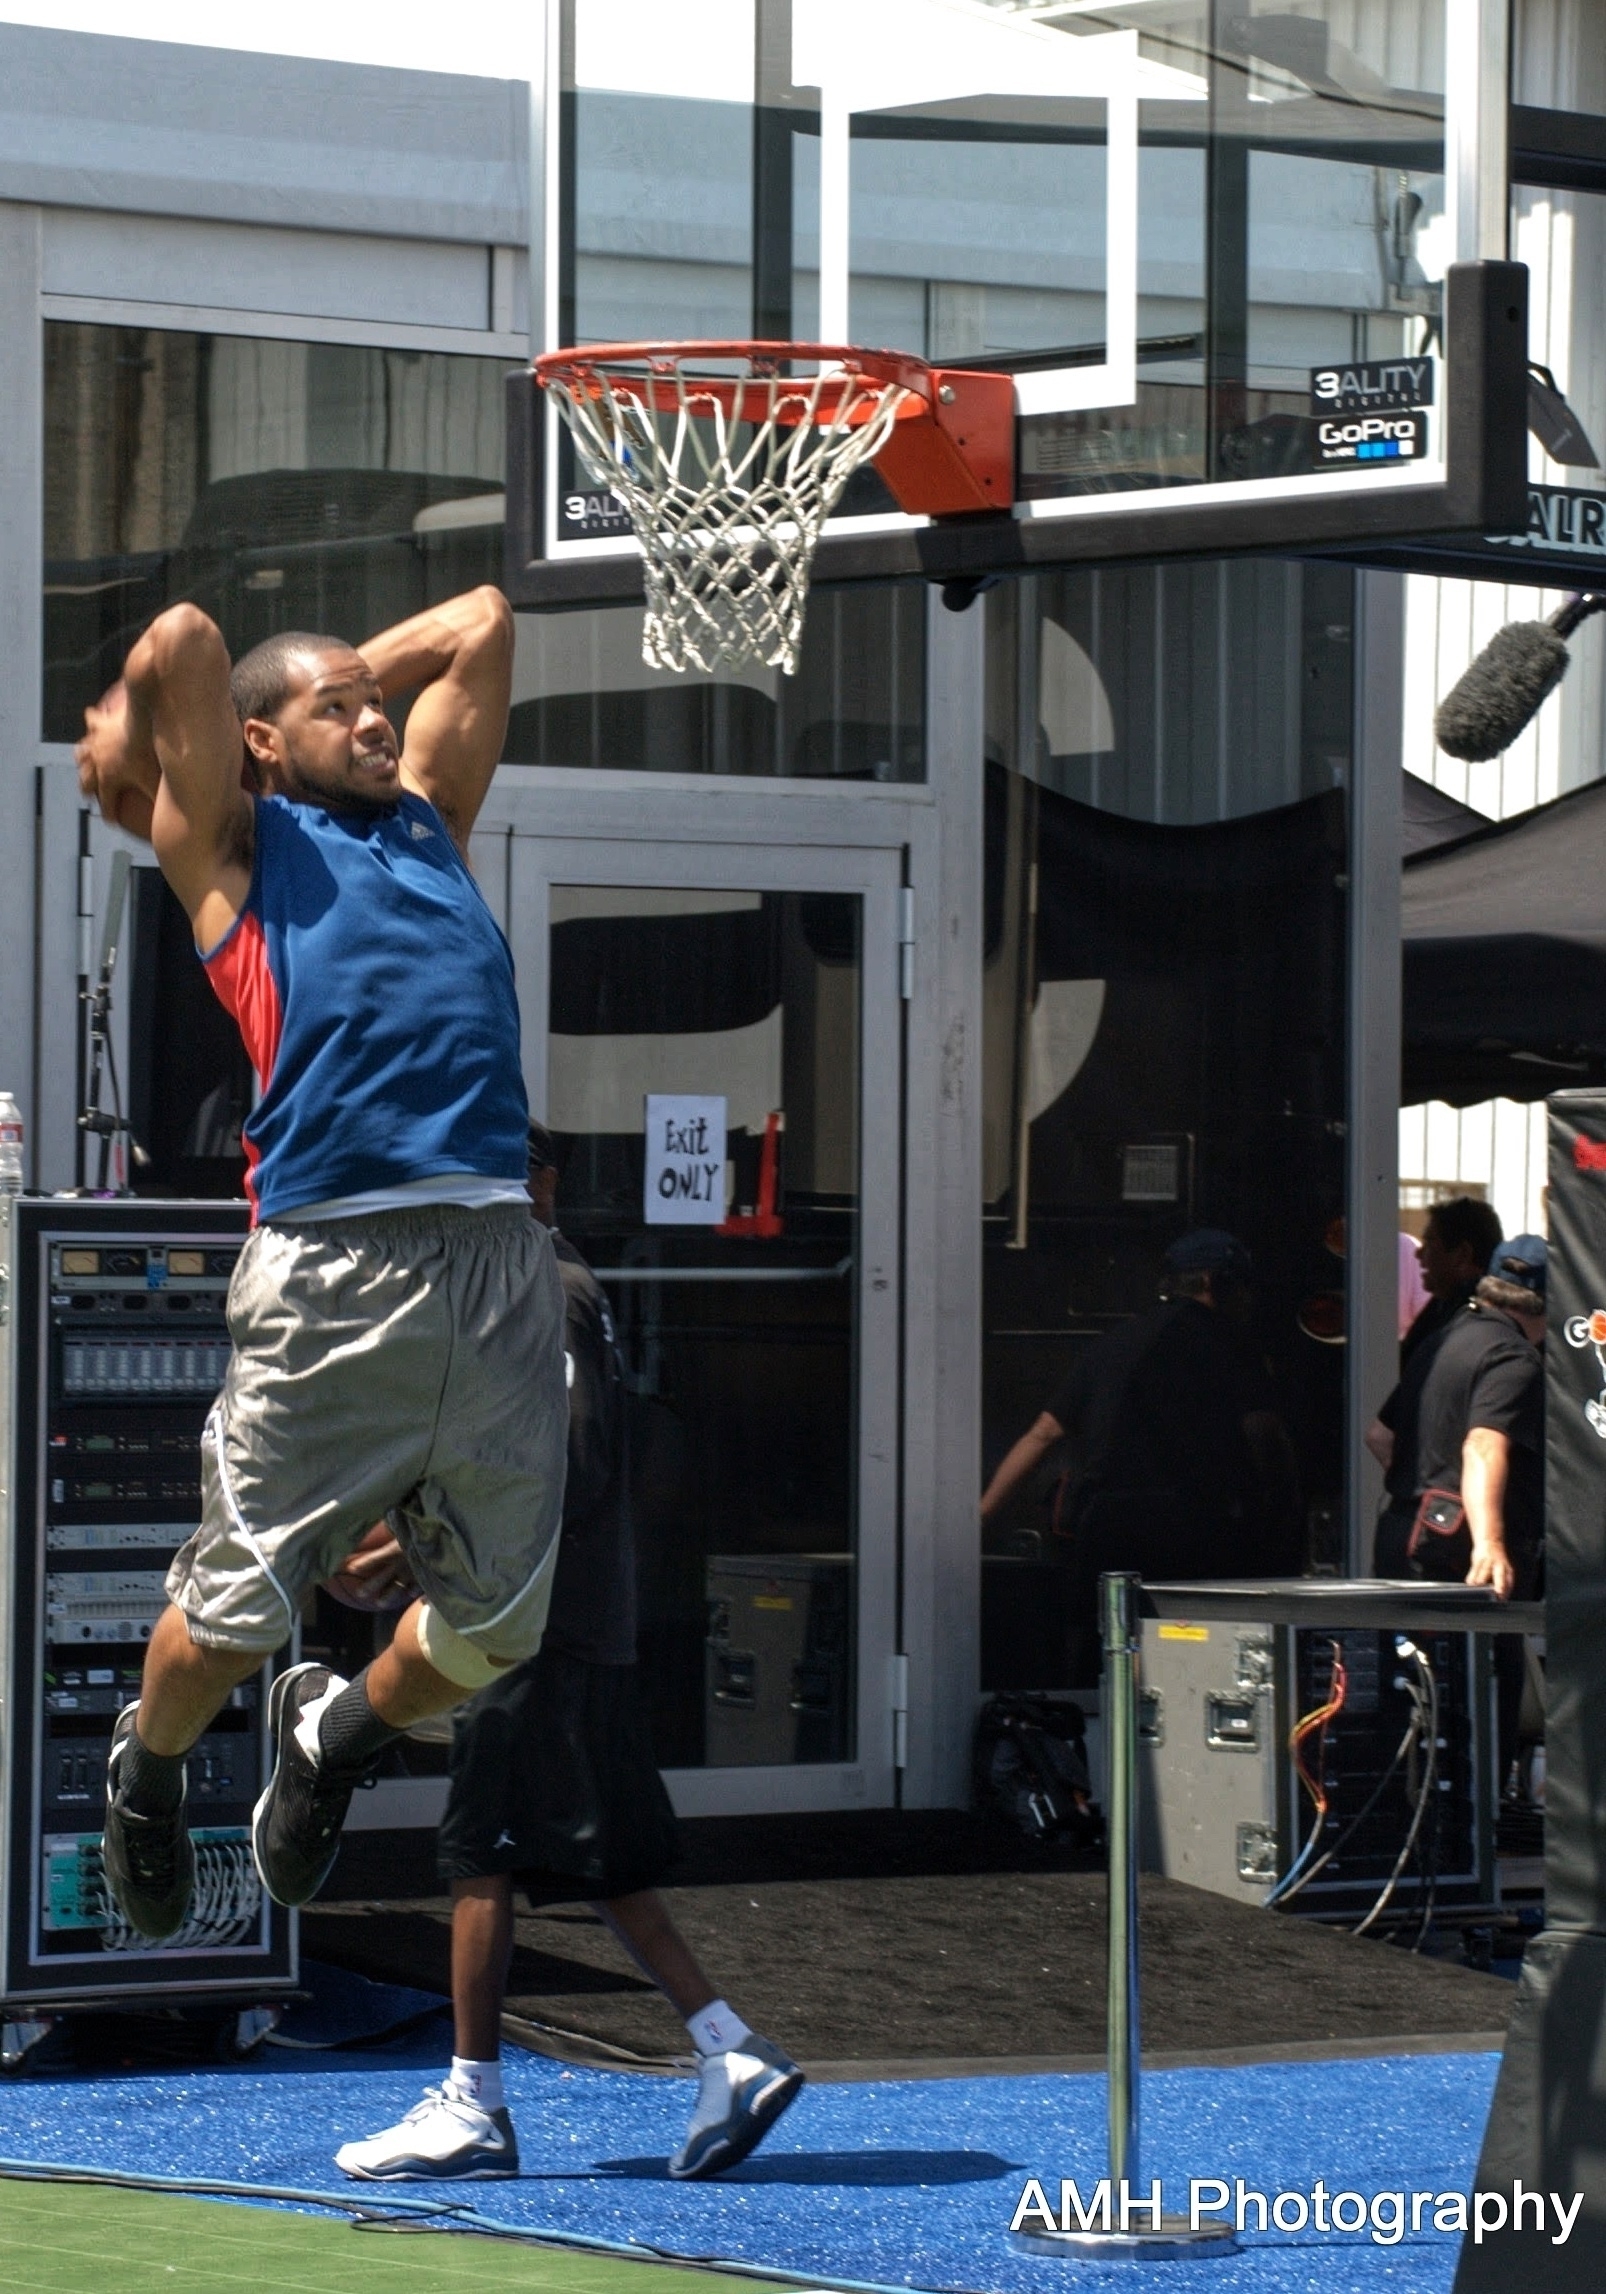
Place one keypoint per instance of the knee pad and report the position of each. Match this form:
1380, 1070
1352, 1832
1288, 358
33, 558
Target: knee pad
513, 1634
449, 1653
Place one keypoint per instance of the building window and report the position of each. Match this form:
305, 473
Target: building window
331, 486
854, 710
281, 485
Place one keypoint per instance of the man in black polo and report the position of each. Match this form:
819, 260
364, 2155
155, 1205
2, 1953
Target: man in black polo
1416, 1434
1466, 1471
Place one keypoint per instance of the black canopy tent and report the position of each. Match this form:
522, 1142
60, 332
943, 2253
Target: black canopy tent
1431, 817
1505, 957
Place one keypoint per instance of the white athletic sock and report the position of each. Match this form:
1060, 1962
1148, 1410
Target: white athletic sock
477, 2083
716, 2027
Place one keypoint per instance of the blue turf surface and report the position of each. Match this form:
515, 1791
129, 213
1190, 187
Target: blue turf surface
901, 2183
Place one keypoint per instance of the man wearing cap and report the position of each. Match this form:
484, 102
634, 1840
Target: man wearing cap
1178, 1465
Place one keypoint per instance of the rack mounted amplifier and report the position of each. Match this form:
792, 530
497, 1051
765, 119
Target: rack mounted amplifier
113, 1341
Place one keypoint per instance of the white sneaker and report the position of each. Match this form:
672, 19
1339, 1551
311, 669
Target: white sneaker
446, 2137
740, 2095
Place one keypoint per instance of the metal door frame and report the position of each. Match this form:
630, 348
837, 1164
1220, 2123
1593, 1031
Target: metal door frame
631, 855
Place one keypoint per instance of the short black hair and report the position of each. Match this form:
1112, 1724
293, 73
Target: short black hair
1464, 1219
260, 681
1515, 1297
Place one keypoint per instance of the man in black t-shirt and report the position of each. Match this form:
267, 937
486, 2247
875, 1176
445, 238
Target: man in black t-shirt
1468, 1419
1458, 1241
1467, 1428
1178, 1465
554, 1785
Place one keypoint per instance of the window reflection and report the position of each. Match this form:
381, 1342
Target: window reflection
739, 1338
853, 711
1291, 196
1163, 1039
281, 485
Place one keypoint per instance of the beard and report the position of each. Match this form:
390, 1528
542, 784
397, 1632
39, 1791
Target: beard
302, 787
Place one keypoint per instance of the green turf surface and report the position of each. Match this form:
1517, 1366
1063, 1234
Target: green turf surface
83, 2239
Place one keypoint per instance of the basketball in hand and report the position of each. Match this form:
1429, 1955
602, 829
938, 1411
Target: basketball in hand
374, 1576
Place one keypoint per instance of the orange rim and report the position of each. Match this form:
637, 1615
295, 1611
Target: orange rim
658, 372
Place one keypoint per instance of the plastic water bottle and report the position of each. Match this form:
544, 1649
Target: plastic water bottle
10, 1146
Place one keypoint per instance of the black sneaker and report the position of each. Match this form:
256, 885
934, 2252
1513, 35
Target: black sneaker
295, 1826
148, 1860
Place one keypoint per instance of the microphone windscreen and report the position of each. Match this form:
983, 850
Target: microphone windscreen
1484, 712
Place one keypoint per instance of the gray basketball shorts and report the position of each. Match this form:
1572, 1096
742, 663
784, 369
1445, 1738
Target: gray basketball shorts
407, 1365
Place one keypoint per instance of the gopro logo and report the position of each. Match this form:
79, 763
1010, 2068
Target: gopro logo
1371, 438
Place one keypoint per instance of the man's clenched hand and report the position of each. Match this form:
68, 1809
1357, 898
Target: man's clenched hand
107, 774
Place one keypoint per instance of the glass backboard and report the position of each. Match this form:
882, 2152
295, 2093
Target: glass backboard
1210, 241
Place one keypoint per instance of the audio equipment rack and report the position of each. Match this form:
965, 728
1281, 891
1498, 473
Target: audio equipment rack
114, 1342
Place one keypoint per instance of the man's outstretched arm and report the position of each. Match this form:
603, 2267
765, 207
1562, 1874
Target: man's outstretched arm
459, 658
161, 754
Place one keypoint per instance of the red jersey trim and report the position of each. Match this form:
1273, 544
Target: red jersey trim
242, 980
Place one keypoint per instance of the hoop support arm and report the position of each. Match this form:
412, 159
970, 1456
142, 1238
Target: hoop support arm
954, 453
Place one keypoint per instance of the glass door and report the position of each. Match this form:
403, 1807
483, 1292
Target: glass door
720, 1073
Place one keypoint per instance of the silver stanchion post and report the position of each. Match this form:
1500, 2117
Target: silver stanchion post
1130, 2221
1118, 1618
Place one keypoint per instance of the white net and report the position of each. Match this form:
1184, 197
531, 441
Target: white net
728, 481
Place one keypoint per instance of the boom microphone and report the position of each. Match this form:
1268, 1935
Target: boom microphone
1491, 702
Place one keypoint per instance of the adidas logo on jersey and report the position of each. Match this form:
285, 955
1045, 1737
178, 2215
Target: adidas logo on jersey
420, 831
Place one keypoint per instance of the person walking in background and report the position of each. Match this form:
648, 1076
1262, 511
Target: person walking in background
554, 1785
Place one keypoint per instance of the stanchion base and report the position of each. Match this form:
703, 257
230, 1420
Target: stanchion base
1175, 2240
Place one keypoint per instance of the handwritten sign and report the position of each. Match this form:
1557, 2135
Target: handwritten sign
685, 1184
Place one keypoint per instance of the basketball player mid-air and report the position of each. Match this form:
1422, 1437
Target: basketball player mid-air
396, 1313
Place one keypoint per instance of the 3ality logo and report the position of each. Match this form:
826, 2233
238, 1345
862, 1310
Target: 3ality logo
1590, 1330
1385, 401
1371, 386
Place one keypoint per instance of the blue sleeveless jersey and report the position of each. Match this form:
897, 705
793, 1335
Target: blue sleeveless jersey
374, 992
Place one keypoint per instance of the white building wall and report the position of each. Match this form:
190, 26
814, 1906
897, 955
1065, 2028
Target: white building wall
1558, 57
1559, 62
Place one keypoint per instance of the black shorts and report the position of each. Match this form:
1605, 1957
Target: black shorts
554, 1782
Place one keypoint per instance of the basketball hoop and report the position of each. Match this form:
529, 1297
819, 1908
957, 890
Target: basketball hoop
729, 457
